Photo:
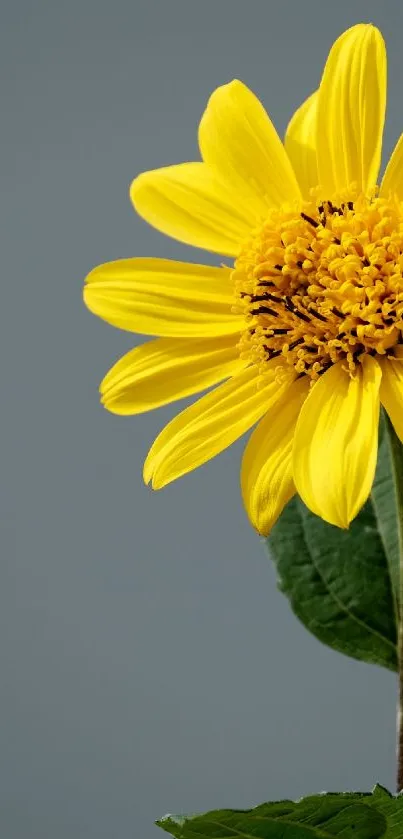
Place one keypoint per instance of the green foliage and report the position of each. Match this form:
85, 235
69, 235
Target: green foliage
376, 815
343, 584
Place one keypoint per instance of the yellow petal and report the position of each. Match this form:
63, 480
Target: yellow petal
300, 144
163, 297
167, 369
392, 182
237, 136
391, 393
267, 476
351, 111
206, 428
191, 203
336, 440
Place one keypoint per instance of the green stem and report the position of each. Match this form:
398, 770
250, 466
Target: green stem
396, 450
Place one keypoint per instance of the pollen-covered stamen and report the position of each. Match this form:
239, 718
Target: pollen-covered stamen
323, 284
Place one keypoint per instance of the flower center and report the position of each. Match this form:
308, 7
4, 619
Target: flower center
323, 284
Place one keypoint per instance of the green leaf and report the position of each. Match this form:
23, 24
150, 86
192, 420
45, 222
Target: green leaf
343, 584
384, 503
376, 815
391, 807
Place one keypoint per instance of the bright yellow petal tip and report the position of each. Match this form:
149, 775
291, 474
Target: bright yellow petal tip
168, 369
208, 427
237, 137
300, 144
336, 442
191, 203
267, 474
351, 111
164, 297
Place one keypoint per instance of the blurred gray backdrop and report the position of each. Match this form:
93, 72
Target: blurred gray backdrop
148, 662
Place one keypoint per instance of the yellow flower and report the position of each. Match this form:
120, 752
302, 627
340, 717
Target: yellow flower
306, 327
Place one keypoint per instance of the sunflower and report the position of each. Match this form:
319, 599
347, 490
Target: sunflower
302, 332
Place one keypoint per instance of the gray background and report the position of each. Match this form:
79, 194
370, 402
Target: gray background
148, 663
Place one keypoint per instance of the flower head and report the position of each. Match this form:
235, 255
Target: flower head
303, 332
